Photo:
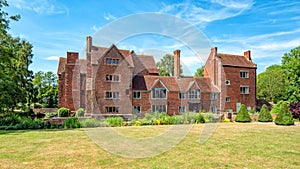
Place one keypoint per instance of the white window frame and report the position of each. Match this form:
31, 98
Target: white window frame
227, 99
244, 73
116, 109
213, 96
181, 109
137, 109
181, 95
139, 95
112, 78
111, 61
158, 91
112, 95
157, 108
194, 94
244, 89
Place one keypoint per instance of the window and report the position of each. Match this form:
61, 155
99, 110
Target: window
248, 108
159, 93
112, 95
181, 96
194, 94
227, 82
137, 109
181, 109
110, 61
111, 109
136, 95
213, 109
159, 108
213, 96
244, 89
112, 78
244, 74
227, 99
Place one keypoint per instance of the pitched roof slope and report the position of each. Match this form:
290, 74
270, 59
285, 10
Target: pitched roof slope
235, 60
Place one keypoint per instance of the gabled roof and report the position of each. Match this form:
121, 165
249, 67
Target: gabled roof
172, 83
144, 63
235, 60
61, 65
121, 52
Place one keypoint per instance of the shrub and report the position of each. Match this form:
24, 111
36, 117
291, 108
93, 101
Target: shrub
252, 111
71, 122
242, 115
209, 117
284, 117
90, 122
63, 112
80, 112
276, 108
49, 115
200, 118
295, 110
114, 121
264, 115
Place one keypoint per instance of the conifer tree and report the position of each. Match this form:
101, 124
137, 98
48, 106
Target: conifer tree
284, 117
242, 115
264, 115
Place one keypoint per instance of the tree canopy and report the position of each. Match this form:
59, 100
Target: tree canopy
47, 89
166, 66
199, 72
15, 77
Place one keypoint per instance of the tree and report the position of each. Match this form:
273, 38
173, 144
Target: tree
166, 66
199, 72
242, 115
295, 109
271, 86
264, 115
47, 89
291, 67
284, 117
15, 77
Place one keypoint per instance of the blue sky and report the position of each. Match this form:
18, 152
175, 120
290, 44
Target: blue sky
267, 28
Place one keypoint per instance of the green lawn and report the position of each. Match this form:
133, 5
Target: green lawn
232, 145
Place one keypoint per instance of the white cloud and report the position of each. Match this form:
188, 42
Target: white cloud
196, 13
109, 17
53, 58
47, 7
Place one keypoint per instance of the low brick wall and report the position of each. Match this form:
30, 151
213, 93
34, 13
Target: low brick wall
55, 120
44, 110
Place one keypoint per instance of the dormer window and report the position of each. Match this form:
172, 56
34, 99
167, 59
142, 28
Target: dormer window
110, 61
159, 93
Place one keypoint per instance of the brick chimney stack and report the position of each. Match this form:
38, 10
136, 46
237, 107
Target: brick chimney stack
177, 63
88, 44
247, 54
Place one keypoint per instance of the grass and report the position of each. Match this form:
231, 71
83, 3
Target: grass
232, 145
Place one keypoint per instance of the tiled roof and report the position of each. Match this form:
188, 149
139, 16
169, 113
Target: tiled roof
235, 60
144, 62
61, 65
172, 83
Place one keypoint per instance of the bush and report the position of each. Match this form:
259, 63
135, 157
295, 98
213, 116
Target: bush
252, 111
276, 108
63, 112
49, 115
71, 122
90, 122
242, 115
200, 118
80, 112
114, 121
295, 110
264, 115
16, 122
284, 117
209, 117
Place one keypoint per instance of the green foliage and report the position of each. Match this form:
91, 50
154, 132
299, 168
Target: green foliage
291, 67
264, 115
209, 117
199, 72
200, 118
63, 112
49, 115
284, 117
252, 111
242, 115
90, 122
15, 77
16, 122
114, 121
270, 86
46, 88
71, 122
80, 112
276, 108
166, 66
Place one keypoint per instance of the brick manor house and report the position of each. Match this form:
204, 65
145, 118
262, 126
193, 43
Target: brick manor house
117, 82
